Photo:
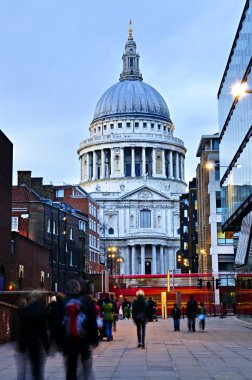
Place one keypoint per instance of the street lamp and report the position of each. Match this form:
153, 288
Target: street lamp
210, 165
112, 251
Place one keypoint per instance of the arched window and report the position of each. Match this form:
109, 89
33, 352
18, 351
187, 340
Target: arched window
145, 219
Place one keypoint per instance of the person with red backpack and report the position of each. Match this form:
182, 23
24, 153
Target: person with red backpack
80, 330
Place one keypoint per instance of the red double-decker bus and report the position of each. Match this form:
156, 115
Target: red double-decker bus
179, 289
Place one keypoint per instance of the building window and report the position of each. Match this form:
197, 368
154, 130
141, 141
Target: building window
12, 252
215, 144
14, 223
99, 129
145, 219
54, 227
136, 125
111, 231
105, 127
71, 258
128, 125
185, 229
224, 237
152, 125
82, 225
111, 126
60, 193
218, 202
71, 234
94, 130
217, 173
48, 225
164, 128
145, 125
119, 125
159, 127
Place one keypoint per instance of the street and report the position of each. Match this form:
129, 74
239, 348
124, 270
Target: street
223, 351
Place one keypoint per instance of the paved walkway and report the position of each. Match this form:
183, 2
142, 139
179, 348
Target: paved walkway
223, 351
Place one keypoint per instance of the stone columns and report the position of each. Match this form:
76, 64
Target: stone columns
154, 259
143, 162
122, 161
170, 165
127, 260
102, 169
183, 167
162, 259
81, 168
163, 163
153, 162
177, 165
133, 260
112, 171
94, 165
88, 167
142, 259
133, 174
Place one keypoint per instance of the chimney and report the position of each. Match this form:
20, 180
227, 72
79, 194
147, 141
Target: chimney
24, 178
37, 185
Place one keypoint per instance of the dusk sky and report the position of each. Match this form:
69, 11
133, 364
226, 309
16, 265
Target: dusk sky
58, 57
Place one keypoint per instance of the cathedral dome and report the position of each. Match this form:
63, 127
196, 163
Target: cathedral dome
131, 97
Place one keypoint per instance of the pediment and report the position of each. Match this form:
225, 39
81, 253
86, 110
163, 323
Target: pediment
145, 193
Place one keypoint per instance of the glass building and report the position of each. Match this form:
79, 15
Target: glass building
235, 126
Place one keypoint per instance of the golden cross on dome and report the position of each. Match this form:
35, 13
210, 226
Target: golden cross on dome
130, 30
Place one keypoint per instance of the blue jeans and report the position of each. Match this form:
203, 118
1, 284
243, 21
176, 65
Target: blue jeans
108, 328
176, 324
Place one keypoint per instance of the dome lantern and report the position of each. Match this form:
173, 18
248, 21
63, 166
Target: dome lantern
130, 59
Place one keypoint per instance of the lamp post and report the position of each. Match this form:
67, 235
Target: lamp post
119, 261
112, 251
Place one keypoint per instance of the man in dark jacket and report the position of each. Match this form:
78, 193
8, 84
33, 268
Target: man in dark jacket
140, 314
191, 312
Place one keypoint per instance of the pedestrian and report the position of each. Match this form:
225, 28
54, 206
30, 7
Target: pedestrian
176, 315
21, 348
202, 316
115, 311
191, 312
55, 314
151, 308
108, 318
140, 315
34, 334
81, 332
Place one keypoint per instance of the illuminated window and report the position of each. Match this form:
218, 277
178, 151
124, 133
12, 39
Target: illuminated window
14, 223
48, 225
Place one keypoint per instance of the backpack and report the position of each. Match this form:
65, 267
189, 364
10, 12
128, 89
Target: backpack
75, 320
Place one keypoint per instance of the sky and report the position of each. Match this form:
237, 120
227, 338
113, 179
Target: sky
57, 58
